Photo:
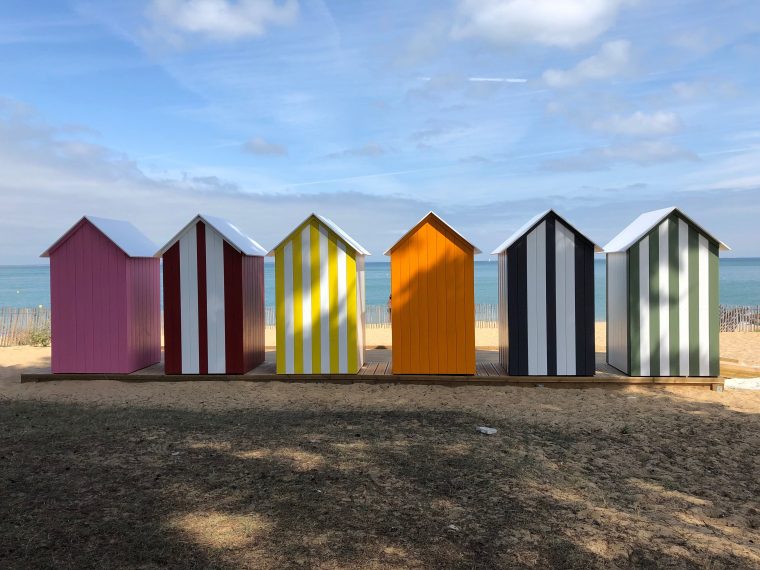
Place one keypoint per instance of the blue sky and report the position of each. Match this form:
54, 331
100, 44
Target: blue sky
373, 113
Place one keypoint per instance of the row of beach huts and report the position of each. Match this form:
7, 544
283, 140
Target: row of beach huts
662, 299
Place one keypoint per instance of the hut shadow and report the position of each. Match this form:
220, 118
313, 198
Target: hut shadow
371, 487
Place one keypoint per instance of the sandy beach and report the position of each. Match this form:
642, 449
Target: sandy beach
736, 349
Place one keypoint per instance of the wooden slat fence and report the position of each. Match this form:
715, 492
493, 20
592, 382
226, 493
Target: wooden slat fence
733, 319
18, 324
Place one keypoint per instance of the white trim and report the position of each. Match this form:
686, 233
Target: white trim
342, 310
536, 275
534, 221
324, 298
351, 242
124, 235
229, 231
217, 355
646, 222
683, 297
188, 287
565, 300
306, 297
664, 297
644, 347
289, 308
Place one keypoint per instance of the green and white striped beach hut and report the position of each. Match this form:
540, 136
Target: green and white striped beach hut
319, 298
662, 297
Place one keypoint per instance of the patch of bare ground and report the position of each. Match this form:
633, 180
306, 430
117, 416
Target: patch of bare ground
235, 474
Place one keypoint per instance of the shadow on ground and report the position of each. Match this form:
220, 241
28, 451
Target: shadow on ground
86, 486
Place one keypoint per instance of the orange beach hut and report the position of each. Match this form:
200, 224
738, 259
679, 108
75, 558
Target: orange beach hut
433, 300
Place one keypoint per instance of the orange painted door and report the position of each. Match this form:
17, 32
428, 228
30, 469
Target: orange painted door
433, 303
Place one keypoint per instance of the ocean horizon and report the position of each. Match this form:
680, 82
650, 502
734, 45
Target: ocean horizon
29, 285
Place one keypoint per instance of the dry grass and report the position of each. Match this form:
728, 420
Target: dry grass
229, 474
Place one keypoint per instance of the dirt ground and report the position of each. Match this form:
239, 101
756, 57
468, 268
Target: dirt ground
277, 475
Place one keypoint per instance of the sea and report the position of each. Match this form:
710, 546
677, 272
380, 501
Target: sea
29, 285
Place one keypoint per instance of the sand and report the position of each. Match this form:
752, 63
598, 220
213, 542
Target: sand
736, 348
277, 474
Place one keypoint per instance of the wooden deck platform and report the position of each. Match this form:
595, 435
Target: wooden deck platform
378, 370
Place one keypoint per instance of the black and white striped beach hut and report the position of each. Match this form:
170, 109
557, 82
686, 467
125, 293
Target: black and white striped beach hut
662, 297
546, 299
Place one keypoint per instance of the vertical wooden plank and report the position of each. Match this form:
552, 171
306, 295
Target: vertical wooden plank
414, 304
589, 314
421, 238
461, 305
279, 281
332, 253
233, 310
469, 315
452, 301
714, 310
200, 252
351, 331
297, 304
446, 344
674, 290
654, 302
316, 296
436, 342
694, 315
551, 297
634, 304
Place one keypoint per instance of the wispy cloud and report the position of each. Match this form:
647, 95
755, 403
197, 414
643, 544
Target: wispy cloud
497, 79
261, 147
643, 153
217, 20
508, 22
639, 124
613, 58
367, 150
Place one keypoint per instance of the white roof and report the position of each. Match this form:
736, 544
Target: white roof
525, 228
645, 222
425, 217
229, 231
334, 227
123, 234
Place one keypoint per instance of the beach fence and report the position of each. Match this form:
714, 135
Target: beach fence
24, 325
18, 324
736, 319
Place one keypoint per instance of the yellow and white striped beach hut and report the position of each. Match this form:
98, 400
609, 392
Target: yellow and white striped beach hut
320, 304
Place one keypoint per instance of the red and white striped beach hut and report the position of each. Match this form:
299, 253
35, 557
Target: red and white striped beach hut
105, 297
213, 299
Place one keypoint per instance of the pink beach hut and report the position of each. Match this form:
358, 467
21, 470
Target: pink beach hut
105, 299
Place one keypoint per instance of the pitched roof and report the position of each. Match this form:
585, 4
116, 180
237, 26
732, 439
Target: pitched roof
229, 231
355, 245
639, 227
124, 235
530, 224
422, 221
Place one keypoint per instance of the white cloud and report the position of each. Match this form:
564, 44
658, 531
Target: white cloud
561, 23
263, 148
219, 20
368, 150
497, 79
639, 124
613, 58
644, 153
